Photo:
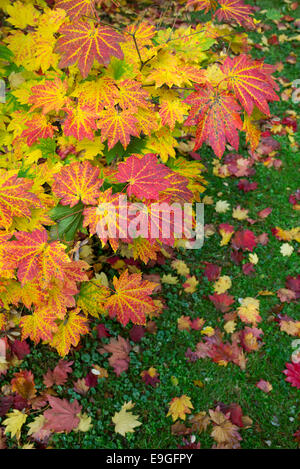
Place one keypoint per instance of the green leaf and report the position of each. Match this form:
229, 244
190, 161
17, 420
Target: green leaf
5, 53
69, 220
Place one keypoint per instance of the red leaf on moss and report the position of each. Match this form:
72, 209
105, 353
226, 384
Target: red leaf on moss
244, 240
292, 373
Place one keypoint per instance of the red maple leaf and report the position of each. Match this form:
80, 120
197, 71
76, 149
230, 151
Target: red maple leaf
37, 127
145, 176
245, 240
248, 79
292, 373
59, 375
222, 301
83, 43
119, 349
77, 8
80, 122
216, 115
63, 415
235, 10
212, 272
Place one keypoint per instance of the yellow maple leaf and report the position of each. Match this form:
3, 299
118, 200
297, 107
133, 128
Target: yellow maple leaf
21, 15
125, 421
14, 422
179, 407
190, 286
169, 279
222, 284
180, 267
240, 213
85, 423
249, 311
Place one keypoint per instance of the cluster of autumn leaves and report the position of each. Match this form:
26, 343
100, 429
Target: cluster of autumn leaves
80, 93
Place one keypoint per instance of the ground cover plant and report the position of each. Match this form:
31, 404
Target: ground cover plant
103, 332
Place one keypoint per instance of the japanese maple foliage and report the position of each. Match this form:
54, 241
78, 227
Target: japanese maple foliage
95, 110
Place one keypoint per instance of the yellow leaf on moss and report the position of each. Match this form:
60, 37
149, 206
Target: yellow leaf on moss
179, 407
125, 421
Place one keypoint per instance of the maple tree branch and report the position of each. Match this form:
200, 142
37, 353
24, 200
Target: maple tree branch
138, 50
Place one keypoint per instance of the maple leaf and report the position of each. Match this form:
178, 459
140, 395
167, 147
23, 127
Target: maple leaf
59, 375
50, 96
130, 95
235, 10
179, 407
244, 240
145, 176
68, 332
77, 181
150, 377
35, 258
131, 300
96, 94
125, 421
216, 115
222, 301
223, 430
77, 8
16, 198
38, 127
222, 284
249, 311
39, 325
83, 43
63, 415
80, 122
108, 220
265, 386
92, 297
117, 126
171, 111
142, 249
23, 384
20, 348
205, 5
292, 373
247, 79
119, 348
14, 422
212, 272
36, 429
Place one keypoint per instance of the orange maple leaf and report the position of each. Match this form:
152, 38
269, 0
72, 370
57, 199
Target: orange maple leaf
77, 181
131, 300
16, 200
50, 96
35, 258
